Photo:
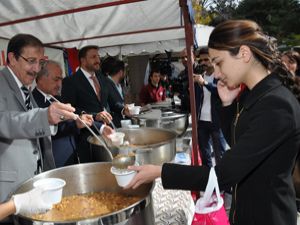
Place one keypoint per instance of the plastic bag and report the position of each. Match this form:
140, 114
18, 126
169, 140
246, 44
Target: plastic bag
209, 209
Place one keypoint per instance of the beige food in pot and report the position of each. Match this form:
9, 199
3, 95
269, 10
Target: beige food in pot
83, 206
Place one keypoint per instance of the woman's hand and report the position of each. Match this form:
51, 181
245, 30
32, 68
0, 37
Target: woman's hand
145, 174
227, 94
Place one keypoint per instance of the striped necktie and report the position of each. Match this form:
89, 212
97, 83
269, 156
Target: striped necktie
27, 97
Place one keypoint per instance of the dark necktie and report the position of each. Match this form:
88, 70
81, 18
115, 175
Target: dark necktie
27, 97
97, 86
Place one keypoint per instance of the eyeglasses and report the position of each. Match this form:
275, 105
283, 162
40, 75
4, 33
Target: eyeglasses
33, 61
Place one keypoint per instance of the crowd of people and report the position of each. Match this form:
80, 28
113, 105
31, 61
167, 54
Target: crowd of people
245, 92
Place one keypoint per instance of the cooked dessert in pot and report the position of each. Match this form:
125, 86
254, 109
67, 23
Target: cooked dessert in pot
83, 206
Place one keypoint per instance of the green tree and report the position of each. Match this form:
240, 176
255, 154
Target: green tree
279, 18
219, 10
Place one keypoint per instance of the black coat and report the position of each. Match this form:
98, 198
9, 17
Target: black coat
260, 163
77, 91
214, 100
64, 142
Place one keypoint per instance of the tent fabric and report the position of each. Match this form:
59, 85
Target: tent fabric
116, 26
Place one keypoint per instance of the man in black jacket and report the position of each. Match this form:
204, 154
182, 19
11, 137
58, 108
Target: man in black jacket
115, 77
85, 90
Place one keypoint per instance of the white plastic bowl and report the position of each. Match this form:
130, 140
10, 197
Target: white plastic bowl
52, 187
135, 110
117, 138
125, 123
133, 126
122, 176
130, 105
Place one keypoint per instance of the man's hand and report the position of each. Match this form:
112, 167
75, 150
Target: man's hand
104, 117
126, 111
198, 79
107, 131
58, 112
87, 118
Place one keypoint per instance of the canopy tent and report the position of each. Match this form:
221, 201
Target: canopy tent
106, 23
116, 26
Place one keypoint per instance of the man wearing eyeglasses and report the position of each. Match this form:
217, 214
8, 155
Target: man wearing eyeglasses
25, 143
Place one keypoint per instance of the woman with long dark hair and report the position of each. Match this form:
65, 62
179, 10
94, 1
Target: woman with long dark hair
266, 131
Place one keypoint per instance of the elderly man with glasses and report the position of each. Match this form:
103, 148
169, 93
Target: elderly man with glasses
25, 143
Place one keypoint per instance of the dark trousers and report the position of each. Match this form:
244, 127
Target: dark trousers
207, 130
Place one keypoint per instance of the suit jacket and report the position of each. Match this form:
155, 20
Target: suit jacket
77, 91
63, 143
23, 134
214, 101
115, 102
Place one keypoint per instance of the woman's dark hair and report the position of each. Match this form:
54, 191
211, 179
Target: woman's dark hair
20, 41
232, 34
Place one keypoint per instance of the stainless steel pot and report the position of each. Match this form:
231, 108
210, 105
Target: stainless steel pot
151, 145
166, 119
95, 177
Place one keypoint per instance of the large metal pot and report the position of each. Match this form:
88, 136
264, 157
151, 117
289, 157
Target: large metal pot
151, 145
167, 119
95, 177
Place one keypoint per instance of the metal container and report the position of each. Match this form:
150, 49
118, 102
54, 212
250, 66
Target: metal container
98, 152
95, 177
151, 145
166, 119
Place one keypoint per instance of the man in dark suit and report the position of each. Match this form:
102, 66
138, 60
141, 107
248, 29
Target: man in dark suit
49, 81
115, 77
85, 90
25, 143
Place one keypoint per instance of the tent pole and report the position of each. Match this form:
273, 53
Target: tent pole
189, 39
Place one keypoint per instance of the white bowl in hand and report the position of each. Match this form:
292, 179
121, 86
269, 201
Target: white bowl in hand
52, 187
123, 176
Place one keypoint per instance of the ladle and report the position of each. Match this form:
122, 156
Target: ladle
100, 136
123, 161
91, 131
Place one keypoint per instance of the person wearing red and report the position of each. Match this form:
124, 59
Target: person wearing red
153, 91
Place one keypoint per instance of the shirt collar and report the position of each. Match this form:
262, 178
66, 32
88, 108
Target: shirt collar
86, 73
46, 96
19, 83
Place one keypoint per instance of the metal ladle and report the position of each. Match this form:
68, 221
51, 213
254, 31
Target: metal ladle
123, 161
92, 132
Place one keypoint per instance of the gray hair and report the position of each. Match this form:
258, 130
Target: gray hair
44, 70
